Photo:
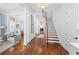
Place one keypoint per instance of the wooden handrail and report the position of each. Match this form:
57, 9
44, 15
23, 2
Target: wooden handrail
46, 27
46, 24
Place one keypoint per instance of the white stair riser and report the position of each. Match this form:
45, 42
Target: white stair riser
53, 41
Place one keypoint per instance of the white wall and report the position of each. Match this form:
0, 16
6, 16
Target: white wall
51, 27
37, 24
65, 19
28, 36
32, 35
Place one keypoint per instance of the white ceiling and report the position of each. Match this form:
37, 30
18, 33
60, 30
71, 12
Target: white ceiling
10, 6
5, 7
31, 7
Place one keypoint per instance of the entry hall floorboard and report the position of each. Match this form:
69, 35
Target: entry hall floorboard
36, 47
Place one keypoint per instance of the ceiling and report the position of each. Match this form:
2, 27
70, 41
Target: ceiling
32, 7
36, 10
10, 7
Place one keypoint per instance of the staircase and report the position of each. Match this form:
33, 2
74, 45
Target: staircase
50, 32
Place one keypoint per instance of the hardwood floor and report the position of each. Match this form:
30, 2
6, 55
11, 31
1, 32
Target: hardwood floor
36, 47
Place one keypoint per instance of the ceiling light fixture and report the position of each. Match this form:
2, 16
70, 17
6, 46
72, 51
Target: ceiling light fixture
42, 5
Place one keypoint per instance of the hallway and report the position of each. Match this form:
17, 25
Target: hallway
57, 23
36, 47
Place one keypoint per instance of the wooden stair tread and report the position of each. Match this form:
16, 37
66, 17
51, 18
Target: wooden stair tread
52, 36
49, 34
52, 40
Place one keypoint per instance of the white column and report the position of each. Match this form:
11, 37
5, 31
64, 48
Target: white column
26, 27
25, 43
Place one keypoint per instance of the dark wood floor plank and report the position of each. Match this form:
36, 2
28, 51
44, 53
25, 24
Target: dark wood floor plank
36, 47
